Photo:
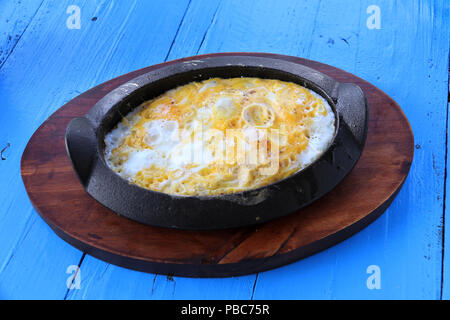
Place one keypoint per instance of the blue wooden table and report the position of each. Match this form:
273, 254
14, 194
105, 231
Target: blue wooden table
51, 51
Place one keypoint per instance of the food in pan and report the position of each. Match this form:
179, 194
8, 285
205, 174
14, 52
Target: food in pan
220, 136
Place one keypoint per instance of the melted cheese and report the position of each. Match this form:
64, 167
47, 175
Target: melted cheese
220, 136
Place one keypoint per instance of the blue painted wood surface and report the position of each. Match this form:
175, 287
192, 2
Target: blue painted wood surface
43, 64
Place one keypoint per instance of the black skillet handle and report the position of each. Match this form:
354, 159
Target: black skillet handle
81, 147
353, 109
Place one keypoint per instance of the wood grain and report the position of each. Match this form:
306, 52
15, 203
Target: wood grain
62, 202
49, 66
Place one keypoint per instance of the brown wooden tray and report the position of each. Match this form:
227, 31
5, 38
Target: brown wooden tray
61, 201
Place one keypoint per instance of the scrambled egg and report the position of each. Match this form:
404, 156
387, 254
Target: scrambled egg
220, 136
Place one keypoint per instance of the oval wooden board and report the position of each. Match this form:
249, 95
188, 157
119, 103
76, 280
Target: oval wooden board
62, 202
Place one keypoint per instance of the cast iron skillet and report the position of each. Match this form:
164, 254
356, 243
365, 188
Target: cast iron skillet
85, 146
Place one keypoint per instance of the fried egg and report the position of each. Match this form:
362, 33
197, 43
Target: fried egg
220, 136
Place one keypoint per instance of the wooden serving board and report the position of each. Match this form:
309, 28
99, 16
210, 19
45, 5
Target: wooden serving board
364, 194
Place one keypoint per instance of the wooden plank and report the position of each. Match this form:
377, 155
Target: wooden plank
381, 170
241, 21
404, 58
50, 65
18, 222
414, 238
15, 16
273, 26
